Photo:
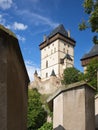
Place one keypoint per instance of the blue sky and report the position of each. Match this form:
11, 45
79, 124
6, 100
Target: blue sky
31, 19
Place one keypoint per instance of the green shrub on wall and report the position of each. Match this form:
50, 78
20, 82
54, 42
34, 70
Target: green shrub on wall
36, 113
47, 126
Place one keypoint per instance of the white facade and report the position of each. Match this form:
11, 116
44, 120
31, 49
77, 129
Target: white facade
51, 55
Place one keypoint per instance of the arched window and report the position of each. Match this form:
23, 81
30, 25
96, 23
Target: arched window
46, 64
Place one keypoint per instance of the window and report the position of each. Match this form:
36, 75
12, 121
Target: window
46, 75
54, 49
51, 51
64, 50
46, 64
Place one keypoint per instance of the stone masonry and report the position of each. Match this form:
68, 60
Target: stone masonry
73, 107
13, 83
96, 111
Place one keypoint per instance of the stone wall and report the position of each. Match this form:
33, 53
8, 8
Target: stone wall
45, 87
73, 107
13, 83
96, 111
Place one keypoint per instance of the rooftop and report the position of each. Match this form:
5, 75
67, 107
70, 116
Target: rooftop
60, 29
93, 52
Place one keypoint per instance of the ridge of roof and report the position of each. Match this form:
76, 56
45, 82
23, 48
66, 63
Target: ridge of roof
92, 52
59, 29
53, 73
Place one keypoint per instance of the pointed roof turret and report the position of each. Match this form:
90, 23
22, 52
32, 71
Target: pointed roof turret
53, 73
67, 56
35, 72
58, 33
60, 29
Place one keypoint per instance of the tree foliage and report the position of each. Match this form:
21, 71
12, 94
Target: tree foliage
36, 114
91, 9
71, 75
91, 73
47, 126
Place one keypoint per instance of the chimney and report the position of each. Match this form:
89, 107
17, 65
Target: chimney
44, 38
68, 33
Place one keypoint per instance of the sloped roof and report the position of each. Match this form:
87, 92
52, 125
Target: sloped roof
60, 29
93, 52
67, 56
53, 73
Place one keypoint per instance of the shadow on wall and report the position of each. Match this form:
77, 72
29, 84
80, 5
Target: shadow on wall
60, 128
96, 121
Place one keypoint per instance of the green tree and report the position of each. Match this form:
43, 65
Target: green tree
47, 126
91, 73
71, 75
91, 9
36, 114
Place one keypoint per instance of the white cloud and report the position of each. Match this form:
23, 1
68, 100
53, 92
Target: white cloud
37, 19
19, 26
34, 1
5, 4
31, 67
21, 38
2, 20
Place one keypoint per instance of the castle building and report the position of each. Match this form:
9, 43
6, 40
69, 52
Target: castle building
93, 53
57, 52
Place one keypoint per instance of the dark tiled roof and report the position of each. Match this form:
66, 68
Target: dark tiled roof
35, 72
53, 73
93, 52
60, 29
67, 56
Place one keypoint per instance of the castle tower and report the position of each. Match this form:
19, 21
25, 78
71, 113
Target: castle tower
57, 52
92, 54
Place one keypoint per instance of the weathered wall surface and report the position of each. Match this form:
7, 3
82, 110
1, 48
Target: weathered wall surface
3, 86
13, 85
73, 107
96, 112
45, 87
90, 108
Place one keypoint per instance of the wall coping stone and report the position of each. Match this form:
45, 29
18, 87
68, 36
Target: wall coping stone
64, 88
7, 31
96, 96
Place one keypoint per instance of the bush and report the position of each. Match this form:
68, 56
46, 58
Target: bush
47, 126
36, 113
